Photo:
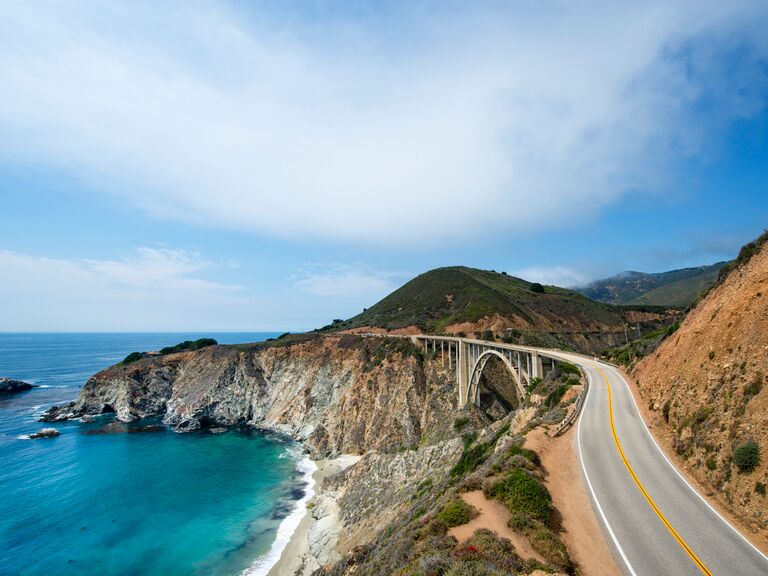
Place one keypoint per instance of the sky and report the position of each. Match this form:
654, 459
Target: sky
233, 165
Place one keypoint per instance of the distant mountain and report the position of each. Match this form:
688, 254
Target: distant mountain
678, 288
461, 299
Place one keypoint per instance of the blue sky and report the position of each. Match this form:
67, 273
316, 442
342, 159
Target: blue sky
215, 165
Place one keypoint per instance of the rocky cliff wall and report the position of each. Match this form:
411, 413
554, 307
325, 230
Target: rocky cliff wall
340, 394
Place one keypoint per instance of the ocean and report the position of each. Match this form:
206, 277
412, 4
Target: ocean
105, 498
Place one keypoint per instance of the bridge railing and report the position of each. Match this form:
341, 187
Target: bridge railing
573, 414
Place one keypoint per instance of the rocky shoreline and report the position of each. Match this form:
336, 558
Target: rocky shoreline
379, 418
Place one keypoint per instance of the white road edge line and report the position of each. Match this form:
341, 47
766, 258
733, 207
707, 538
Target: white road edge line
680, 475
589, 483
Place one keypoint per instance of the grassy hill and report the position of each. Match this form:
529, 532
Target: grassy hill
678, 288
460, 299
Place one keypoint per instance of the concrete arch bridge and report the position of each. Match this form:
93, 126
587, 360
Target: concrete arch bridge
468, 358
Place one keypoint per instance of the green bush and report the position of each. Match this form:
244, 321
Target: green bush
525, 452
132, 357
456, 513
189, 345
747, 456
711, 354
711, 463
760, 488
522, 493
473, 568
550, 547
568, 368
537, 288
554, 397
460, 423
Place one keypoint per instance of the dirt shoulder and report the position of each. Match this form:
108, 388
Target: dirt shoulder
493, 516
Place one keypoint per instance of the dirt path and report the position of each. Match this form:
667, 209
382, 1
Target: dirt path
493, 516
581, 532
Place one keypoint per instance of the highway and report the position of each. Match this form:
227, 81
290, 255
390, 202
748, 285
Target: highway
656, 523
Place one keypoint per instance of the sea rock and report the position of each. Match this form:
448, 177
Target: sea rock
9, 386
45, 433
87, 418
61, 413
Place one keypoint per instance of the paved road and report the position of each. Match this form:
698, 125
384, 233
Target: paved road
657, 524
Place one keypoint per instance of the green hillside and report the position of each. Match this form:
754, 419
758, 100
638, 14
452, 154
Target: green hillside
681, 293
445, 296
678, 288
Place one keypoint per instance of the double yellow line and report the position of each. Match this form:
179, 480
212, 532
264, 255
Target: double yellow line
696, 560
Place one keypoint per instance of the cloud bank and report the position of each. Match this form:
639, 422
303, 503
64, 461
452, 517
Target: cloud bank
153, 287
394, 126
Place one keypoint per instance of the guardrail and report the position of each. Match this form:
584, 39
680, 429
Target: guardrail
571, 418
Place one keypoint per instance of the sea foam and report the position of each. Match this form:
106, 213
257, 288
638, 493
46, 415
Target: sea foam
264, 563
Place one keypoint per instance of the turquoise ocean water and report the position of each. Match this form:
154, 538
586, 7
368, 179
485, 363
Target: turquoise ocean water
108, 499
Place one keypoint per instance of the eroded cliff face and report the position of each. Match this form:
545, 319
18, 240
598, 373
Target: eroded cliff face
340, 394
706, 387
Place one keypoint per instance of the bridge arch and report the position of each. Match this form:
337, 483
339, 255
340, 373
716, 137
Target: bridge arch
473, 390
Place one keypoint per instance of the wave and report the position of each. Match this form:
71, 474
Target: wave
263, 564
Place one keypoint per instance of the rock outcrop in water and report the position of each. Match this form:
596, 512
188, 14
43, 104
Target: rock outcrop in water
9, 386
45, 433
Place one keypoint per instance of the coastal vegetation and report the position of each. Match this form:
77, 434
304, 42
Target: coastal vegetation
180, 347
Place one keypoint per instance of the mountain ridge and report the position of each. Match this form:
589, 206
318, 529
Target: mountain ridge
679, 288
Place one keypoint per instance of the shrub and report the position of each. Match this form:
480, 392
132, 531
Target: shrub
189, 345
568, 368
760, 488
550, 547
747, 456
472, 568
471, 459
711, 463
537, 288
132, 357
460, 423
555, 396
522, 493
665, 410
456, 513
753, 388
711, 354
525, 452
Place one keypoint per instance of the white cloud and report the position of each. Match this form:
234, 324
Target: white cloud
156, 288
554, 275
435, 123
342, 281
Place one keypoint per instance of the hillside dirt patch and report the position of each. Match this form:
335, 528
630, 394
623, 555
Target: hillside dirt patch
581, 532
493, 516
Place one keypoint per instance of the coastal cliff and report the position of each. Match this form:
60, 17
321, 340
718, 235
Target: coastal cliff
392, 406
340, 394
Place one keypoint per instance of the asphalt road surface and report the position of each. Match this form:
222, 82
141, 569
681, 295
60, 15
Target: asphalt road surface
655, 521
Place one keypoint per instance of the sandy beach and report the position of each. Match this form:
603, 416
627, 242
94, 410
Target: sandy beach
295, 555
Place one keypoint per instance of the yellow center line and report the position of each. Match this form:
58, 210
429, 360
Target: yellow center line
699, 564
